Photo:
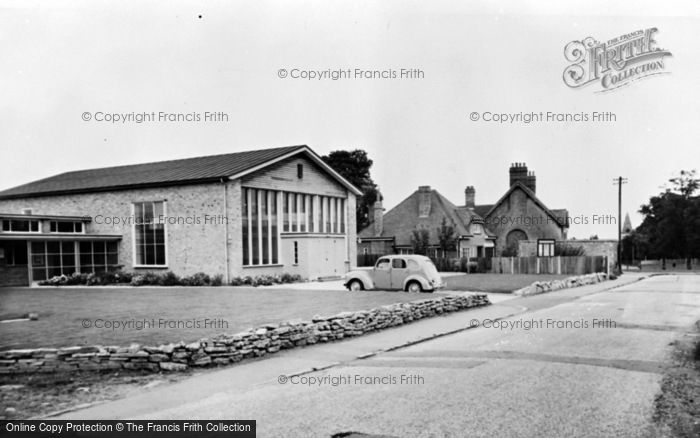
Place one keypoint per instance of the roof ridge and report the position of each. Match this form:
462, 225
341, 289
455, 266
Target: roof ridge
148, 163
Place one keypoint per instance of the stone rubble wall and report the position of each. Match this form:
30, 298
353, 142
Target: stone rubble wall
540, 287
226, 349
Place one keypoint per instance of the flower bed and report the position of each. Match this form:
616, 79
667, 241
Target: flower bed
167, 278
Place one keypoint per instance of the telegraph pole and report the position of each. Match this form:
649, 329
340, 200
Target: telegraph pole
619, 181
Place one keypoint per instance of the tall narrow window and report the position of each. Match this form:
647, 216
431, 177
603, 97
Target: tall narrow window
273, 226
296, 252
332, 211
264, 227
285, 212
255, 233
342, 216
260, 229
312, 215
293, 211
326, 215
245, 205
149, 233
300, 171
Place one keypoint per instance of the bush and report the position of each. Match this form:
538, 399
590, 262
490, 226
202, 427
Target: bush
217, 280
198, 279
142, 279
236, 281
265, 280
169, 279
88, 279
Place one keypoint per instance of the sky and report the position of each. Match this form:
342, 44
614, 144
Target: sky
63, 60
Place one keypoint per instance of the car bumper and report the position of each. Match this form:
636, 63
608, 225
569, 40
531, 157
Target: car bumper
437, 286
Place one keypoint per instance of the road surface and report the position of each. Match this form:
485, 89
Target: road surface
581, 362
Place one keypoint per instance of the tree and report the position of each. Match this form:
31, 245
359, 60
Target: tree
420, 240
671, 225
355, 167
446, 236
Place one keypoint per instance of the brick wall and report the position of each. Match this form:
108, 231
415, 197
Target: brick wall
191, 247
520, 212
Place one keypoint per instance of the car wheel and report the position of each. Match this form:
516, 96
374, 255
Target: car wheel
355, 286
414, 286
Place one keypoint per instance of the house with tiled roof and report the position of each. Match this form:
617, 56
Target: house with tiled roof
425, 209
481, 230
256, 212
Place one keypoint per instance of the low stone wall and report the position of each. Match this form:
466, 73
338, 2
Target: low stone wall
225, 349
540, 287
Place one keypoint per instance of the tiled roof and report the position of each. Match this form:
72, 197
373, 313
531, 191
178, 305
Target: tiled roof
560, 216
483, 209
163, 173
400, 221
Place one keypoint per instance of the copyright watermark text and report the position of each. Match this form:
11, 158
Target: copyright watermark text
543, 323
351, 380
339, 74
154, 117
535, 117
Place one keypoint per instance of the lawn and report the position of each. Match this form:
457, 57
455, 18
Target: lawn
495, 282
197, 312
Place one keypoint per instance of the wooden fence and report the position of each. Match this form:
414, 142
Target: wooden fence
578, 265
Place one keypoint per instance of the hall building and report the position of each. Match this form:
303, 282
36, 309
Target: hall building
269, 211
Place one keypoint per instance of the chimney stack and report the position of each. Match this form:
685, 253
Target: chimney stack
519, 173
378, 212
531, 181
469, 196
423, 201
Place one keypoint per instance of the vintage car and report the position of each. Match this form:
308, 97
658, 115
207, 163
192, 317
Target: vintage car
411, 273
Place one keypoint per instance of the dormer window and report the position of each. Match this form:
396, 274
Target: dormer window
477, 229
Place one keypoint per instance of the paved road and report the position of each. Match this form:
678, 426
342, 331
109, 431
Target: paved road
581, 362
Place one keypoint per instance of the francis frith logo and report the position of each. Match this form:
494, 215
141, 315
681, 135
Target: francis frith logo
616, 62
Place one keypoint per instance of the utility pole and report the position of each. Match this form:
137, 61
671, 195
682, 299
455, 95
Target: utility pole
619, 181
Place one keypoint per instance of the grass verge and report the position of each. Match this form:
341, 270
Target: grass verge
677, 407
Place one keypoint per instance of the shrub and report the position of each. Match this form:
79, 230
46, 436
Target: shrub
290, 278
198, 279
264, 280
236, 281
169, 279
217, 280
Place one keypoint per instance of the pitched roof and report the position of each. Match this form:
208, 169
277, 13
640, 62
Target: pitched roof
483, 209
164, 173
560, 215
400, 221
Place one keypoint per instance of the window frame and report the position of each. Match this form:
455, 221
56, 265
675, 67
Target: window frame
550, 244
74, 223
29, 221
135, 263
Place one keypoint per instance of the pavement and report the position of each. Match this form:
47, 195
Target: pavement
500, 370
